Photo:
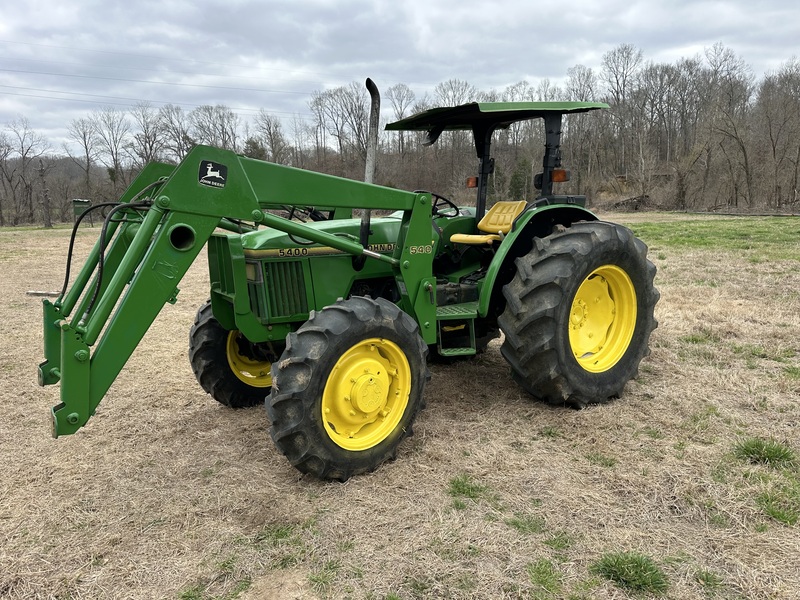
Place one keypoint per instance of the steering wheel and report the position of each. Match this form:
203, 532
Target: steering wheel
442, 206
438, 202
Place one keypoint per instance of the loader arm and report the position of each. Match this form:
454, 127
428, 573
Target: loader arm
148, 244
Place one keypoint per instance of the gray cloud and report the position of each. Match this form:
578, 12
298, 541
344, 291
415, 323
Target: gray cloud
59, 61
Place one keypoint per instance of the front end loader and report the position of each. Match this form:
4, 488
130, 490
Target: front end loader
330, 320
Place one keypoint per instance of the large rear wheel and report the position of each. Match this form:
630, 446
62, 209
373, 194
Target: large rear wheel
236, 372
579, 314
347, 388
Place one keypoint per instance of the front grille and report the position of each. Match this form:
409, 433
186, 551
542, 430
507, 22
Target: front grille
286, 289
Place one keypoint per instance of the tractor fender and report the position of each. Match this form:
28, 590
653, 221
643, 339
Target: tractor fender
534, 222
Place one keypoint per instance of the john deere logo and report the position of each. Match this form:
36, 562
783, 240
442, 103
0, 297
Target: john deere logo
213, 174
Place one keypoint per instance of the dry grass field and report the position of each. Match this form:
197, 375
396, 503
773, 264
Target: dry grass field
166, 494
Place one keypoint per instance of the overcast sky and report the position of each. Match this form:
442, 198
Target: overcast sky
61, 60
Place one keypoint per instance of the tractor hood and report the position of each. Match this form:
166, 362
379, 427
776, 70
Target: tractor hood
274, 243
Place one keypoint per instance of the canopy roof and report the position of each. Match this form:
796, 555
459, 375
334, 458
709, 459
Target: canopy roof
479, 115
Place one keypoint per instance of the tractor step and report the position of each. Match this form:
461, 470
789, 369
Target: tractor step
449, 312
456, 323
456, 351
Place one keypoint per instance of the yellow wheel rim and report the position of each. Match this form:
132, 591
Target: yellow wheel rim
602, 318
366, 394
255, 373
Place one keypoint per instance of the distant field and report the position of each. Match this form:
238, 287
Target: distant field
688, 487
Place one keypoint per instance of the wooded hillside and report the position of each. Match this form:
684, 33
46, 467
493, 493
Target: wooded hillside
701, 134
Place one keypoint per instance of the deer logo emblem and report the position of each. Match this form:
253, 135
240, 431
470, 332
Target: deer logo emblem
212, 174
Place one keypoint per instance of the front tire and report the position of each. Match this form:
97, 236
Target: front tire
233, 370
347, 388
579, 314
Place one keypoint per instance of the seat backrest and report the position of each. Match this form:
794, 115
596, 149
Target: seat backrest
501, 216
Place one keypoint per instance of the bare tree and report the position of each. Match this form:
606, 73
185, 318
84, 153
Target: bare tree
619, 72
147, 143
175, 127
112, 129
620, 67
269, 133
5, 184
215, 126
81, 132
327, 107
731, 88
546, 91
580, 139
462, 159
300, 130
694, 147
342, 113
519, 92
19, 149
401, 98
777, 115
581, 84
688, 100
318, 108
491, 95
454, 92
516, 132
356, 111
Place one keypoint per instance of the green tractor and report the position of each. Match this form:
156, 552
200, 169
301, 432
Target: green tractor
330, 319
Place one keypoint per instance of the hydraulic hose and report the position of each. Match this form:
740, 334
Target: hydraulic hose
72, 243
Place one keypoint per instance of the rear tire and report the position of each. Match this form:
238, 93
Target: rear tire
347, 388
225, 364
579, 314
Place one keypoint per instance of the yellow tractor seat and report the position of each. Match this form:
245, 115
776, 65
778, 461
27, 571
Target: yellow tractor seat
496, 224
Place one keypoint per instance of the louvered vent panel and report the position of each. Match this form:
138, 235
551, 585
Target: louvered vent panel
286, 290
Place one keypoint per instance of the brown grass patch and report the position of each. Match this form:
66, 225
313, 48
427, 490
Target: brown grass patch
166, 494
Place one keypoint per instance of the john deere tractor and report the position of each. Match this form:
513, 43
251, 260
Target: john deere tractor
329, 319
